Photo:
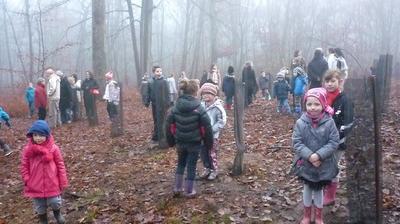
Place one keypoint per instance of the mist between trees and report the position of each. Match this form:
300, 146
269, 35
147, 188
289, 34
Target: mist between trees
188, 35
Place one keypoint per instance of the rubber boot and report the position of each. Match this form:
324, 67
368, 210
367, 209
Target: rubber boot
307, 216
178, 188
58, 216
330, 194
7, 150
318, 215
190, 192
43, 218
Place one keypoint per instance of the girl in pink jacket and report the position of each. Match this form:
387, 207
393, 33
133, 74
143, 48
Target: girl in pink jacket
43, 171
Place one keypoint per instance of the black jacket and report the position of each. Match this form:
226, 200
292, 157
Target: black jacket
343, 117
188, 123
316, 70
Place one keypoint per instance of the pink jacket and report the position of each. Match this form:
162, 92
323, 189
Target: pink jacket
43, 170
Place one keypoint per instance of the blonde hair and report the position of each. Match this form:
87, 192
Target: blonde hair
332, 74
189, 86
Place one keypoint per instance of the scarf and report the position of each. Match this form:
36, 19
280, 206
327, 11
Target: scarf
331, 96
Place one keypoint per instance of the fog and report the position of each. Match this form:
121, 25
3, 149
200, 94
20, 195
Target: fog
190, 35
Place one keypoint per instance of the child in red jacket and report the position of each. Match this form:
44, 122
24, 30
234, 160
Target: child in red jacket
43, 171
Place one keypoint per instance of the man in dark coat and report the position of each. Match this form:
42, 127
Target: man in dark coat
317, 68
65, 98
250, 83
90, 91
158, 97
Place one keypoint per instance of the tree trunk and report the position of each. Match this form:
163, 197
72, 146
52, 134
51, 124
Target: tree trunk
5, 28
185, 38
145, 36
238, 166
197, 50
213, 32
28, 22
41, 39
98, 42
139, 72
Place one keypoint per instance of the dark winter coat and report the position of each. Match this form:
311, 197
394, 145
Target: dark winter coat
263, 82
281, 89
40, 96
316, 70
157, 93
343, 117
188, 123
65, 94
228, 85
322, 140
249, 78
88, 85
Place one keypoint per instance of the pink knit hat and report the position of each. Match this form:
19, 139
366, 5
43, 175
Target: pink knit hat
320, 94
209, 88
109, 75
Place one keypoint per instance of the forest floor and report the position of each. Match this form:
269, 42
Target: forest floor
120, 180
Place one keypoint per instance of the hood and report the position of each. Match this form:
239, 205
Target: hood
217, 103
187, 103
40, 127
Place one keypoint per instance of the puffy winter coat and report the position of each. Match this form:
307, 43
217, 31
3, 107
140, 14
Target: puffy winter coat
281, 89
217, 115
29, 94
43, 170
316, 69
343, 117
322, 140
228, 85
40, 96
188, 123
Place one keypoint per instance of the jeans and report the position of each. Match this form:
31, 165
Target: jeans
187, 157
41, 204
283, 106
298, 103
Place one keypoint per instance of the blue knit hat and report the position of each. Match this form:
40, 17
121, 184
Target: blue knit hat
39, 127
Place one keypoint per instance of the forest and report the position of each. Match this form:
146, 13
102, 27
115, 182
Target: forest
112, 135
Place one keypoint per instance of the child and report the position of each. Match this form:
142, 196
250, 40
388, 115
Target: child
4, 117
300, 83
43, 171
343, 118
263, 83
217, 115
41, 98
281, 91
111, 96
315, 140
228, 87
29, 97
187, 126
172, 89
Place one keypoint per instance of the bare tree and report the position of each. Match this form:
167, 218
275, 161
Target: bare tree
134, 42
98, 39
28, 22
145, 33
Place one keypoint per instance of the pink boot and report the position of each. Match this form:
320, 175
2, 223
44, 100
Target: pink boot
307, 215
330, 194
318, 215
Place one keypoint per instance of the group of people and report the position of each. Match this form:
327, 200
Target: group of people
191, 116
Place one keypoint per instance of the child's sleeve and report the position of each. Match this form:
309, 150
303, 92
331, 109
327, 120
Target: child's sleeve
62, 172
170, 128
208, 133
333, 143
25, 166
221, 120
297, 140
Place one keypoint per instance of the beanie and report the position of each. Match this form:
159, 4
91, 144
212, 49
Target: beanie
109, 75
39, 127
209, 88
320, 94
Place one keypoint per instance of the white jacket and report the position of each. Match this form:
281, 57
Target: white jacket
217, 115
112, 92
53, 87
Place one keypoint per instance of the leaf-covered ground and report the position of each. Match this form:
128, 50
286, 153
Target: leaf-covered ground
121, 181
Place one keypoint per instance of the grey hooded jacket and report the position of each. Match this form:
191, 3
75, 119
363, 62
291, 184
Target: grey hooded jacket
323, 140
217, 115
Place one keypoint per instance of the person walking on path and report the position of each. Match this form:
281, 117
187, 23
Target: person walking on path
29, 98
90, 91
41, 98
228, 87
317, 68
53, 96
5, 118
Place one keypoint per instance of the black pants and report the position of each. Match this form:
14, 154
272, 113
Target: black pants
2, 144
112, 110
42, 113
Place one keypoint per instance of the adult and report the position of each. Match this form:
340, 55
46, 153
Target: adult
317, 68
65, 98
53, 96
250, 83
173, 92
90, 91
158, 97
228, 87
41, 98
263, 84
75, 90
298, 60
213, 76
29, 98
341, 64
331, 59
